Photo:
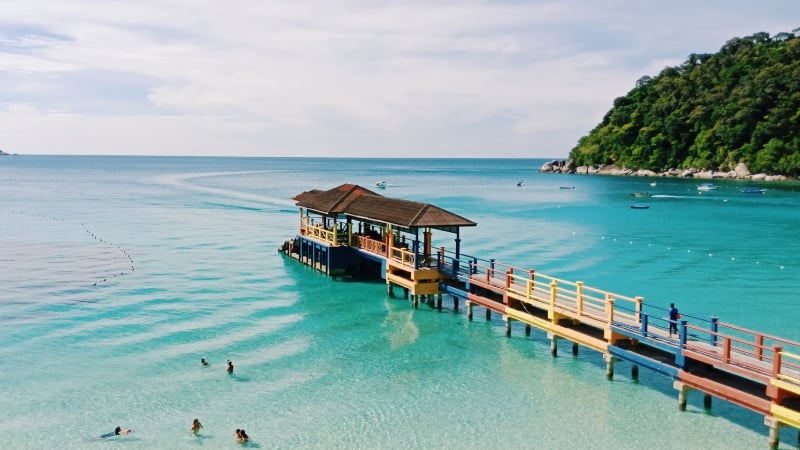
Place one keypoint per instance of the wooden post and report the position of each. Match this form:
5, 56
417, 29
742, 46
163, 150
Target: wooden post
574, 349
683, 390
639, 301
439, 302
774, 431
707, 401
609, 365
508, 326
469, 310
579, 297
527, 330
553, 344
488, 314
455, 303
635, 372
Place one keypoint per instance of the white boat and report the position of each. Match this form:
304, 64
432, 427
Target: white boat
381, 184
520, 183
706, 187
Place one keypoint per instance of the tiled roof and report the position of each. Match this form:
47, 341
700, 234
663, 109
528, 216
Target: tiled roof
356, 201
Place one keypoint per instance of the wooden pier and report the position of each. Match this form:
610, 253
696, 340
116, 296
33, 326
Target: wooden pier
350, 230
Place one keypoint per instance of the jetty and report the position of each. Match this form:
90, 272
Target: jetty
350, 231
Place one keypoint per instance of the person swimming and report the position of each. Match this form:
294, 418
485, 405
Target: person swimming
117, 431
230, 367
203, 362
196, 425
241, 436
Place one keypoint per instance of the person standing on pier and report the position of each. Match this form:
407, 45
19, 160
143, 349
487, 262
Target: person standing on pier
674, 315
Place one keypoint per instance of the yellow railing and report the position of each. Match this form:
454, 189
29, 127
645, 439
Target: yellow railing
371, 245
319, 232
403, 256
789, 371
570, 298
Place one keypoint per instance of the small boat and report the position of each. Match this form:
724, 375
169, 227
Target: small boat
706, 187
381, 184
653, 184
567, 187
641, 194
520, 183
751, 190
639, 206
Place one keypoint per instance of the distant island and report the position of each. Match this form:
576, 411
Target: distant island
3, 153
718, 115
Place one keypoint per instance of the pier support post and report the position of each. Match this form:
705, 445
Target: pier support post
439, 302
405, 292
488, 314
774, 431
553, 344
574, 349
683, 391
389, 290
635, 372
508, 326
469, 310
707, 401
415, 301
610, 360
455, 303
527, 330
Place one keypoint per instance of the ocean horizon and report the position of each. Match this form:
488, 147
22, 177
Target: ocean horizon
120, 273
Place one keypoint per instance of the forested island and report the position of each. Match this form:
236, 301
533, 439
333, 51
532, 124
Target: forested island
739, 107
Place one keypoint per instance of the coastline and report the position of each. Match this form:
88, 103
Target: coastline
740, 172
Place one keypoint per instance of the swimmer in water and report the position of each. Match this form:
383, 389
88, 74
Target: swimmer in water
230, 367
203, 362
117, 432
196, 425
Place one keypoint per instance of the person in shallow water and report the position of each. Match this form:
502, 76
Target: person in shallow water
230, 367
117, 431
203, 362
196, 425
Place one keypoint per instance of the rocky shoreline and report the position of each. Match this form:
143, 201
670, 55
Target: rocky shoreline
740, 172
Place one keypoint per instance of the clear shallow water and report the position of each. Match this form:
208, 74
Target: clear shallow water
119, 273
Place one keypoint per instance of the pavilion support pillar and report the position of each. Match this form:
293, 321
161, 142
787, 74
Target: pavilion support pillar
574, 349
469, 310
455, 303
553, 344
635, 372
508, 325
488, 314
439, 302
707, 401
527, 330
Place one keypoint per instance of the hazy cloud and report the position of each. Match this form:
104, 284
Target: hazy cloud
340, 78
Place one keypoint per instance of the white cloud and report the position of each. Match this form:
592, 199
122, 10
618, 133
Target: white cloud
343, 78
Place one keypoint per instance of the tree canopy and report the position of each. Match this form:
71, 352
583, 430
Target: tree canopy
741, 104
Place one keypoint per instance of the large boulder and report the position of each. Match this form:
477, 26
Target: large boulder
741, 171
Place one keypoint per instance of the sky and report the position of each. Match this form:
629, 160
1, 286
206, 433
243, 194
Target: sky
341, 78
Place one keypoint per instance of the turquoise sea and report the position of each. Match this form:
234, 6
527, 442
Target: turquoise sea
117, 274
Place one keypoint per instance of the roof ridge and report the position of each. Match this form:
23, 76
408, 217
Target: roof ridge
421, 211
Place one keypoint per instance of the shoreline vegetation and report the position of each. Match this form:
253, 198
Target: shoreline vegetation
740, 172
706, 116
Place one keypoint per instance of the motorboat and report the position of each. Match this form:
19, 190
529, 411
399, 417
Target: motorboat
641, 194
706, 187
752, 190
520, 183
567, 187
381, 184
640, 206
